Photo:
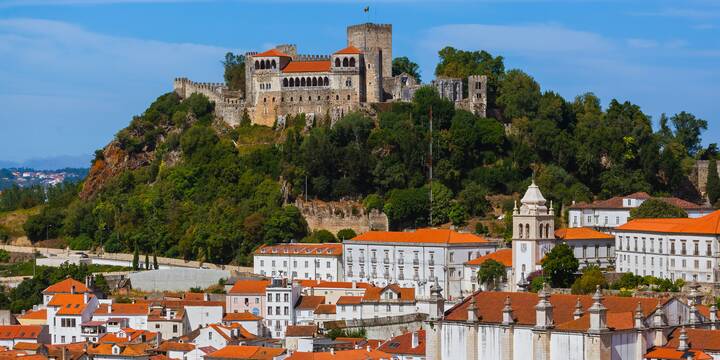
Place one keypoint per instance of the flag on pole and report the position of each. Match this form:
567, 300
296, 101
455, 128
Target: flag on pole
366, 9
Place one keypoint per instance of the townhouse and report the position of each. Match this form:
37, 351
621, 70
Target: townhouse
391, 300
300, 261
408, 346
247, 296
66, 313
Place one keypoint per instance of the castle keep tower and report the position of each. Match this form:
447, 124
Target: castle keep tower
375, 41
533, 234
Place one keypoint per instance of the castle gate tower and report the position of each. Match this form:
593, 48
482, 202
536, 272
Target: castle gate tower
375, 40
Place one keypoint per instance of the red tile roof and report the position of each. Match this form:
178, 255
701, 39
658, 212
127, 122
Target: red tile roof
360, 354
249, 287
707, 225
402, 294
615, 321
581, 233
349, 300
241, 316
333, 284
490, 305
122, 309
503, 256
272, 52
706, 339
307, 66
126, 350
8, 332
326, 309
66, 287
40, 314
403, 344
309, 302
301, 249
301, 330
667, 353
350, 50
68, 304
431, 236
618, 203
175, 346
128, 335
245, 352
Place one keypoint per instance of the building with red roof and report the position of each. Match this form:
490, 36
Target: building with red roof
300, 261
66, 312
408, 346
613, 212
247, 296
413, 259
675, 248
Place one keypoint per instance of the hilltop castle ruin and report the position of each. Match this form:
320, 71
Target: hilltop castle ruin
281, 82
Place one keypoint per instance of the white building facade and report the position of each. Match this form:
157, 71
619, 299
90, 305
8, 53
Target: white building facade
281, 298
670, 248
413, 259
300, 261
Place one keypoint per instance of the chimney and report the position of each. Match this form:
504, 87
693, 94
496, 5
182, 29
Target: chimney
713, 317
683, 344
507, 316
578, 310
544, 309
472, 311
693, 318
368, 348
110, 307
415, 339
72, 289
639, 325
332, 351
598, 313
85, 298
354, 284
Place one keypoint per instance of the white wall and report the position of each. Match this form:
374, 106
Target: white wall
203, 315
566, 346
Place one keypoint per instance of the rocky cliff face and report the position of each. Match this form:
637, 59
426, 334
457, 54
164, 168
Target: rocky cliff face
113, 162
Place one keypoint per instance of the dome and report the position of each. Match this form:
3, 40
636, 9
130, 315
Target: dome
533, 196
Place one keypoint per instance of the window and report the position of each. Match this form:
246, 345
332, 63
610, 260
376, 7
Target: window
273, 263
709, 264
636, 244
708, 250
327, 264
285, 310
209, 335
388, 308
286, 297
175, 328
269, 310
262, 262
683, 248
672, 247
294, 263
697, 264
277, 297
269, 297
277, 310
617, 220
696, 248
660, 242
451, 256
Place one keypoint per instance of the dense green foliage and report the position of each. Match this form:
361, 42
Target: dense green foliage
404, 65
629, 281
655, 208
234, 71
560, 265
491, 273
589, 280
713, 182
336, 333
214, 194
15, 197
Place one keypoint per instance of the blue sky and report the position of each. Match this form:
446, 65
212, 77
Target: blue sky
74, 72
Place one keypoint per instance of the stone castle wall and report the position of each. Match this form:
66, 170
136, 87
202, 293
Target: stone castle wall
228, 104
373, 39
699, 174
337, 215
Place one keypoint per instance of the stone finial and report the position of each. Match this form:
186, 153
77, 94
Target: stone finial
598, 313
638, 317
693, 317
508, 317
515, 208
544, 309
472, 310
659, 316
552, 209
695, 297
683, 343
578, 309
436, 289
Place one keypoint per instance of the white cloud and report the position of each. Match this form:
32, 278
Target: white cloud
684, 13
83, 84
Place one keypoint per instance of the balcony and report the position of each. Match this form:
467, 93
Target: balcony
349, 260
431, 262
416, 261
362, 274
386, 276
350, 273
400, 261
373, 260
416, 277
362, 259
401, 276
386, 260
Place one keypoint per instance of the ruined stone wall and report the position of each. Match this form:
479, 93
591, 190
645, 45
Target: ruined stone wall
337, 215
699, 174
229, 105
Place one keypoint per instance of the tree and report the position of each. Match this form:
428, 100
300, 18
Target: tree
407, 208
234, 71
285, 224
461, 64
560, 266
491, 273
155, 260
687, 131
404, 65
588, 281
320, 237
147, 261
519, 95
656, 208
346, 234
458, 214
136, 258
713, 182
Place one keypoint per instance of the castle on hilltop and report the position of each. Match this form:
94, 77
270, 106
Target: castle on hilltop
281, 82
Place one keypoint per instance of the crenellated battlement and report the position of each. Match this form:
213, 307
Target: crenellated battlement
312, 57
371, 26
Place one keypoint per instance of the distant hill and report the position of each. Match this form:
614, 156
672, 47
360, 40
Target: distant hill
51, 163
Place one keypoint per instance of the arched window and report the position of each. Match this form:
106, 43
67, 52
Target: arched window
337, 62
314, 81
273, 64
337, 97
262, 65
327, 81
292, 99
257, 64
262, 86
348, 97
520, 232
297, 82
527, 231
345, 62
547, 231
302, 82
267, 64
352, 62
285, 82
308, 81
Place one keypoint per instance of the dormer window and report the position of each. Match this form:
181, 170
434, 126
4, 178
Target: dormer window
116, 350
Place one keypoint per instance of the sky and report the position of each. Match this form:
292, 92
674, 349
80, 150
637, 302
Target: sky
75, 72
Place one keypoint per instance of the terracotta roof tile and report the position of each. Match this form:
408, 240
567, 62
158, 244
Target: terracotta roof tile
307, 66
334, 284
349, 300
432, 236
301, 330
272, 52
8, 332
40, 314
68, 304
359, 354
241, 316
618, 203
667, 353
249, 287
326, 309
402, 294
706, 339
708, 224
350, 50
581, 233
333, 249
503, 256
246, 353
66, 287
403, 344
310, 302
122, 309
